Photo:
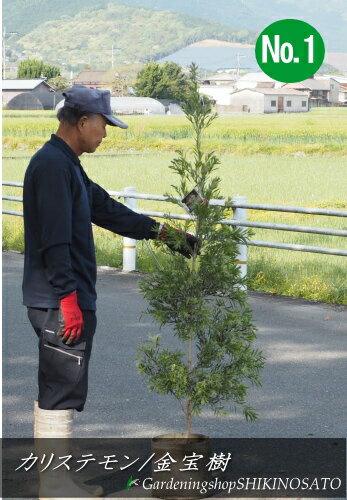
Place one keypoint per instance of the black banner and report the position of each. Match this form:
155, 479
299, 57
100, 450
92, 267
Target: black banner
174, 468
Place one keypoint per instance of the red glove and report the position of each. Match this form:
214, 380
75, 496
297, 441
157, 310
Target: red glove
71, 318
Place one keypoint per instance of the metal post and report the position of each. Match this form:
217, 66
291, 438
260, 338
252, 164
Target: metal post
4, 35
4, 54
240, 214
129, 245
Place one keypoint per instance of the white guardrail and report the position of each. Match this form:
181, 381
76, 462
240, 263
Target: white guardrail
239, 207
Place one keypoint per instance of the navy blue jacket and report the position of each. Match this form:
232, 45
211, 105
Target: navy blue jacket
60, 203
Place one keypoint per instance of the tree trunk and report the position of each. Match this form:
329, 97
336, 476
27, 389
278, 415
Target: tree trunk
189, 417
189, 365
189, 410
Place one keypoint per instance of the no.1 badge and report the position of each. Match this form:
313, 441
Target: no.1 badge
290, 50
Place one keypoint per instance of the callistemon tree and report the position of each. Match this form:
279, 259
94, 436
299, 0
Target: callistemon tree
202, 298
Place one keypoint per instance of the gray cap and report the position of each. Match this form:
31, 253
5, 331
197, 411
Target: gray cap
94, 101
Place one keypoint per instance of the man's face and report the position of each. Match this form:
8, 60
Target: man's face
92, 130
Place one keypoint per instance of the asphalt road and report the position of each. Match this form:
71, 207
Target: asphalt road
304, 381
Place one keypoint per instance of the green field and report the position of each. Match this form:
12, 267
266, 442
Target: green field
319, 132
304, 165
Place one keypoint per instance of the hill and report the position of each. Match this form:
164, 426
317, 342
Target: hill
88, 36
328, 17
214, 55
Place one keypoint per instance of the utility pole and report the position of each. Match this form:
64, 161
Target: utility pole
5, 34
112, 57
4, 54
238, 55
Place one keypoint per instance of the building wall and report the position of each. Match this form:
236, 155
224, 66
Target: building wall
320, 98
223, 83
296, 103
342, 97
268, 100
246, 84
247, 101
42, 88
103, 86
218, 93
295, 107
251, 84
7, 95
334, 91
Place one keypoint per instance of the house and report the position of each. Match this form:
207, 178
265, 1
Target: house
343, 94
11, 88
94, 78
222, 78
341, 98
265, 100
318, 88
219, 94
257, 79
338, 90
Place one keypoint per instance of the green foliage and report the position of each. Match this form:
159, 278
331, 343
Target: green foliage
59, 83
203, 298
86, 38
50, 71
150, 81
176, 81
246, 15
162, 81
34, 68
30, 68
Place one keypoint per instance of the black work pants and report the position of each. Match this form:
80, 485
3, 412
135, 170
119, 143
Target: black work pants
63, 368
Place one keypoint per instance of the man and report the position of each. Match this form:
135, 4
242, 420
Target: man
60, 204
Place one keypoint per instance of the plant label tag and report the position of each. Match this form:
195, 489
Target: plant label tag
192, 199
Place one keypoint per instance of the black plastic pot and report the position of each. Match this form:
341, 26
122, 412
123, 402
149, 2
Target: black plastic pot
179, 447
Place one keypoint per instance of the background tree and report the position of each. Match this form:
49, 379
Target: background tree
202, 298
50, 71
59, 83
30, 68
162, 81
120, 84
150, 81
34, 68
177, 83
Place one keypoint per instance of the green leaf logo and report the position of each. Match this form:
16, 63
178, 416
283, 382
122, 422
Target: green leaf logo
130, 482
